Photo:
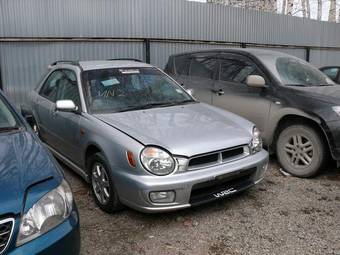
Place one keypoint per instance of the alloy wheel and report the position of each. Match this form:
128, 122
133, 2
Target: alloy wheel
100, 183
299, 150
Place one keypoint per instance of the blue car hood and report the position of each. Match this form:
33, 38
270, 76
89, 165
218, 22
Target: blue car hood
23, 162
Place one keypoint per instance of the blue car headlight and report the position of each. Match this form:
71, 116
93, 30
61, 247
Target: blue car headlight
50, 211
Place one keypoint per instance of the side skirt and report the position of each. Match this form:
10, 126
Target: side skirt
69, 163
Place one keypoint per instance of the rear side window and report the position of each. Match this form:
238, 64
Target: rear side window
182, 64
331, 72
234, 68
203, 66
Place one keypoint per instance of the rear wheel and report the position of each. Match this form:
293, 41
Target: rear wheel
301, 150
103, 189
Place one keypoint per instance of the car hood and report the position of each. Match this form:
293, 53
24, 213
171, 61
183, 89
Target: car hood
183, 130
328, 94
23, 162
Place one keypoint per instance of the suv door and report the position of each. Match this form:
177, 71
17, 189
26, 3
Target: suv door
66, 128
197, 71
233, 94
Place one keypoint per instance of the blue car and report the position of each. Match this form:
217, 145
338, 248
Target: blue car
37, 211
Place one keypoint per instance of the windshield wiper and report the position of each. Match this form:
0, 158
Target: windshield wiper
152, 105
8, 129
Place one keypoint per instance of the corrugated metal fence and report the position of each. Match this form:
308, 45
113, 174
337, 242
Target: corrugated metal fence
34, 33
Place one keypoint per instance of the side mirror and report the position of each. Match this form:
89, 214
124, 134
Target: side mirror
190, 92
256, 81
66, 106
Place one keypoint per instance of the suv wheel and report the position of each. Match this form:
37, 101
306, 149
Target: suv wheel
301, 150
103, 189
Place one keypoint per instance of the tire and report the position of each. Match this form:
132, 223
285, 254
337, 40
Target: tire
301, 151
103, 189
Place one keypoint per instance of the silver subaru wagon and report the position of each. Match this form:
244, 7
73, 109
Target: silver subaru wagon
140, 139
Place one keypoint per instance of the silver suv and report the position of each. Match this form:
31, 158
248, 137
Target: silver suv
140, 139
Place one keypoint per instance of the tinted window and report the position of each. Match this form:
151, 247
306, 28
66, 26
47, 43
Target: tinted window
296, 72
234, 68
331, 72
49, 89
203, 66
68, 88
182, 64
114, 90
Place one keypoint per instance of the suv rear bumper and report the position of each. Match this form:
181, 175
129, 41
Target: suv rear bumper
193, 187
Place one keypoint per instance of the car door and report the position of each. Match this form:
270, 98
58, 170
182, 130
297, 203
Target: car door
198, 72
66, 124
232, 93
45, 105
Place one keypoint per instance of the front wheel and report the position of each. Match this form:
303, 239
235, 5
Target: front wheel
103, 189
301, 150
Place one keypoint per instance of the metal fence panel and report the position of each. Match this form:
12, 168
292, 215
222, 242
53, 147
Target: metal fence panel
297, 52
23, 64
176, 19
160, 51
321, 58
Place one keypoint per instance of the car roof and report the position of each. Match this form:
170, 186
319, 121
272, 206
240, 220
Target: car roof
252, 51
102, 64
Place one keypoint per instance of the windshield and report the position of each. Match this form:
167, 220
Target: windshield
124, 89
295, 72
7, 119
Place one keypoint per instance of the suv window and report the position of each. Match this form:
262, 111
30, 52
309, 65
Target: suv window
331, 72
68, 88
236, 68
182, 64
203, 66
49, 89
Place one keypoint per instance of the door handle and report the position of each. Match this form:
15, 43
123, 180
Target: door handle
219, 92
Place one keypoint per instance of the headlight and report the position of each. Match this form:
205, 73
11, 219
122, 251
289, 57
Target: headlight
336, 109
51, 210
157, 161
256, 141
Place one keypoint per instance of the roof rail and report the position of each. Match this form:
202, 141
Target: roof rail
71, 62
130, 59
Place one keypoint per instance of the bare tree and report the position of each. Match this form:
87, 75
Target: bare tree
305, 5
290, 6
319, 17
332, 11
284, 6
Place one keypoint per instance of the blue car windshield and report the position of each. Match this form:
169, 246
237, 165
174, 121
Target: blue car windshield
8, 120
125, 89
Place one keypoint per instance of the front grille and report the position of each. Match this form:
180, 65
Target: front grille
6, 229
218, 157
239, 180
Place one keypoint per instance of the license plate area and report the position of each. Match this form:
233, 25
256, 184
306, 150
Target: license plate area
222, 186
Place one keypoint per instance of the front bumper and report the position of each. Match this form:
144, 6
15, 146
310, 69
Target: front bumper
192, 187
332, 130
63, 239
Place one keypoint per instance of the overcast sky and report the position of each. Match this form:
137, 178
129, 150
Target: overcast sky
313, 3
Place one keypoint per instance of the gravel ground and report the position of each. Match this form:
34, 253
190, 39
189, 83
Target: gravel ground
281, 215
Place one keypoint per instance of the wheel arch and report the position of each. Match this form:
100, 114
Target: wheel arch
91, 149
291, 119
